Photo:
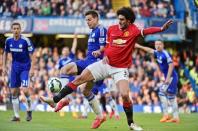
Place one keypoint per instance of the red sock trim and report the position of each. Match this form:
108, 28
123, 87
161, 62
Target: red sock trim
72, 86
127, 104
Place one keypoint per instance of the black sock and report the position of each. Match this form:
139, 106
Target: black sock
129, 114
103, 102
65, 91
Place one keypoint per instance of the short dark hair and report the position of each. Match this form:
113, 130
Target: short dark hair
93, 13
127, 12
16, 23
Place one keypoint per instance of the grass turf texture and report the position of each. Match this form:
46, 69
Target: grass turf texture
49, 121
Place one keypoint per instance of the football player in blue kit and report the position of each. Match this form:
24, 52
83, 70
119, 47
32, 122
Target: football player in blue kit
96, 43
168, 90
21, 49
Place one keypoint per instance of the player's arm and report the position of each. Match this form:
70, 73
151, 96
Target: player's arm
74, 44
147, 49
170, 71
5, 54
31, 55
153, 30
170, 68
4, 63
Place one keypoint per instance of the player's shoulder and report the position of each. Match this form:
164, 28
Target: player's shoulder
25, 39
9, 38
133, 27
166, 53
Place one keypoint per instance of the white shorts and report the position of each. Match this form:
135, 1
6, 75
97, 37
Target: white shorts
100, 71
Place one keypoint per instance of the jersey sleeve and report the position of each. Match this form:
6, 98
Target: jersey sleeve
102, 36
168, 57
6, 48
30, 46
72, 55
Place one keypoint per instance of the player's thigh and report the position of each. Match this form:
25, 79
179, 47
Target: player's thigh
15, 81
172, 88
123, 87
24, 77
99, 70
69, 69
122, 82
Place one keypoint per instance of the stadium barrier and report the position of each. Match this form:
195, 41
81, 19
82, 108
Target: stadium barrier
67, 25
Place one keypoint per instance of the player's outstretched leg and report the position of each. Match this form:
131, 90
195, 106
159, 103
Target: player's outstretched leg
61, 104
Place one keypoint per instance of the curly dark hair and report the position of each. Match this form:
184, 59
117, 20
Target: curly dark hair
127, 12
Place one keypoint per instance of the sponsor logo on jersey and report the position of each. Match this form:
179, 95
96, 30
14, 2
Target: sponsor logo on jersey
119, 41
16, 50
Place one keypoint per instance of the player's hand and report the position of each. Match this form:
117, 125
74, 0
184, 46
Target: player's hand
31, 73
137, 45
96, 53
105, 60
166, 25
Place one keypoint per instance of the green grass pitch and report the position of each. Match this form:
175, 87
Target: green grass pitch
49, 121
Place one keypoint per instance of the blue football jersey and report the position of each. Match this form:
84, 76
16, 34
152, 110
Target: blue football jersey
20, 50
65, 60
163, 59
97, 38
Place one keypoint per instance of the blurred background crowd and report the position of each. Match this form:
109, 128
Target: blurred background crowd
76, 8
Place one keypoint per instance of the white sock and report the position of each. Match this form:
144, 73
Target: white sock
95, 105
174, 106
86, 107
113, 106
15, 104
164, 103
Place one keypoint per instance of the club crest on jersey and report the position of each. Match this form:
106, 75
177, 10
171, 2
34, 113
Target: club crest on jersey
10, 45
159, 59
20, 45
93, 35
119, 41
126, 34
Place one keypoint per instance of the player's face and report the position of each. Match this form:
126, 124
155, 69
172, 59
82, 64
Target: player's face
123, 22
159, 46
92, 22
16, 30
65, 51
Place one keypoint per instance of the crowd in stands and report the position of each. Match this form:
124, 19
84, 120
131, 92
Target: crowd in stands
145, 77
76, 8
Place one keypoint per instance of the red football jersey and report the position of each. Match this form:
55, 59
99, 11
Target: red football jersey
120, 45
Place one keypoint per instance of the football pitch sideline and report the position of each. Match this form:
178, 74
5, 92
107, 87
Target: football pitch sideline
50, 121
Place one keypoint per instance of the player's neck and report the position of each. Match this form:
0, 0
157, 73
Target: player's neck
95, 26
16, 37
